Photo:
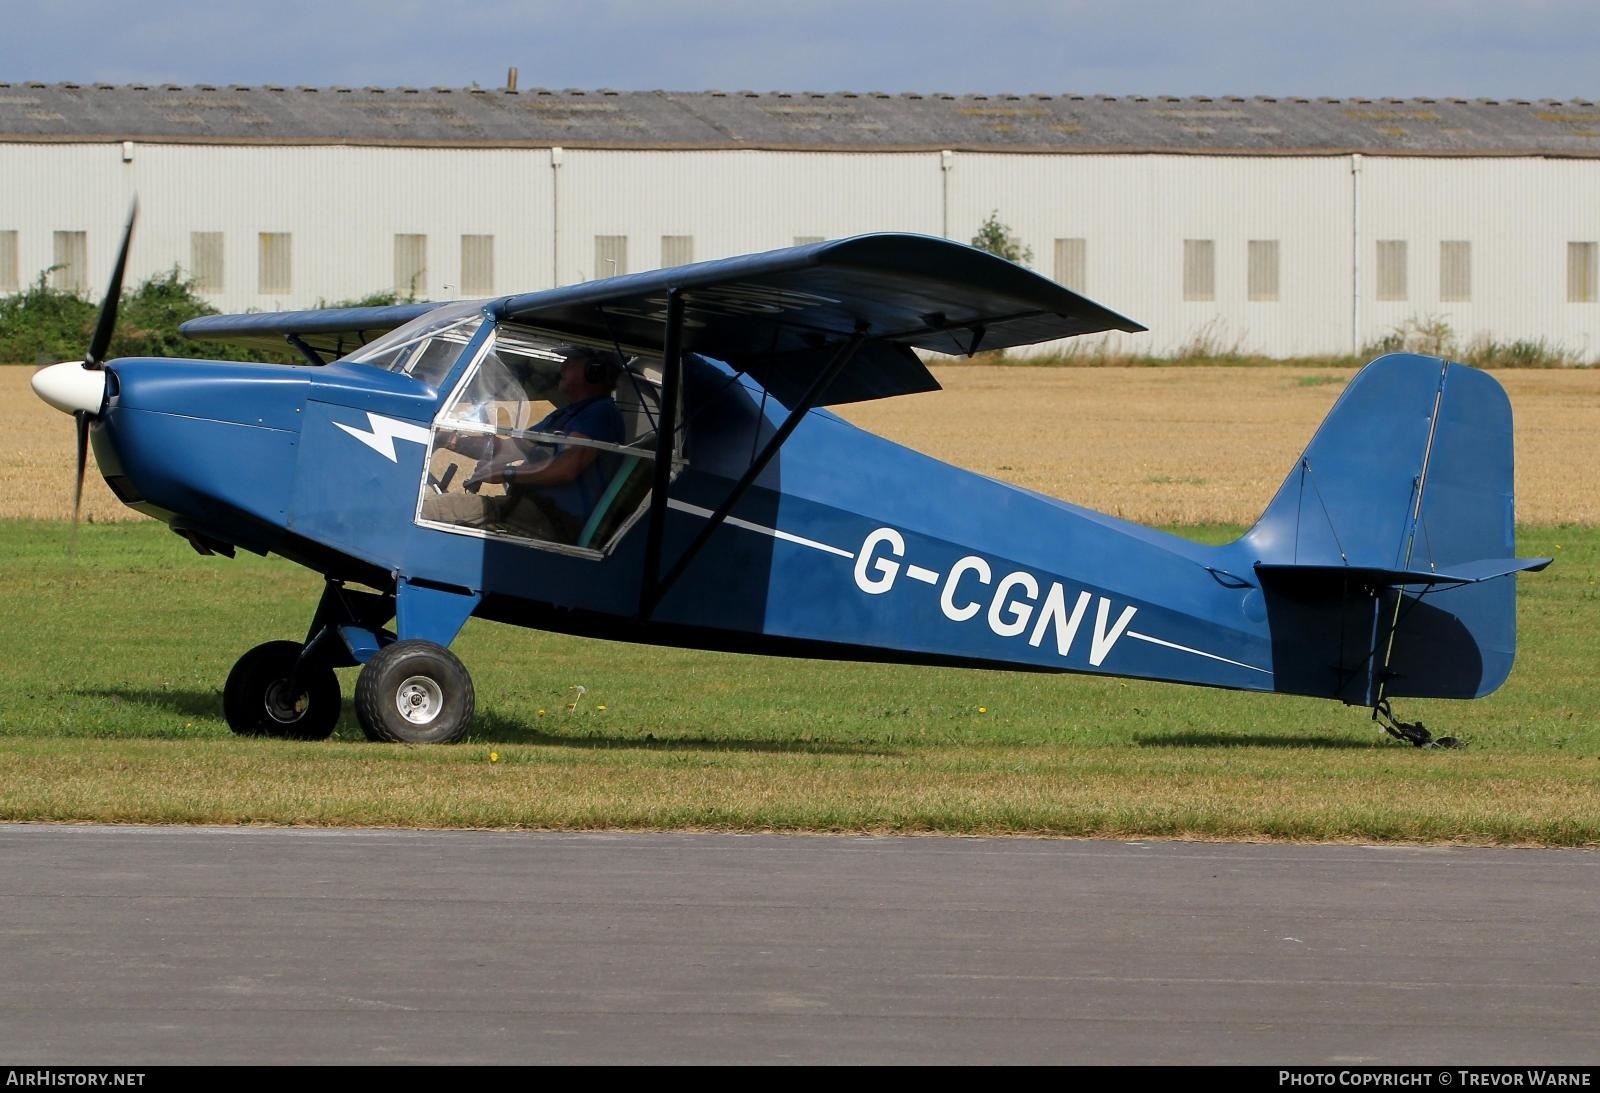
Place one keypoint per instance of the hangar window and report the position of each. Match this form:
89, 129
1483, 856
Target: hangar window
1391, 269
70, 265
205, 261
1455, 272
8, 262
545, 442
1199, 269
676, 250
610, 255
477, 265
1072, 263
1581, 272
410, 266
1261, 272
273, 272
803, 240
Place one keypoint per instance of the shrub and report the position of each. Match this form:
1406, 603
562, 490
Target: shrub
1486, 352
1429, 335
43, 324
996, 238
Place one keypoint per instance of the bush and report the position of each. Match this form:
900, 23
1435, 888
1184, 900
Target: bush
1434, 337
149, 316
996, 238
42, 324
1430, 335
1486, 352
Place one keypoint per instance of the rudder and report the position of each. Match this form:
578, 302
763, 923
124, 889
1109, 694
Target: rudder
1386, 557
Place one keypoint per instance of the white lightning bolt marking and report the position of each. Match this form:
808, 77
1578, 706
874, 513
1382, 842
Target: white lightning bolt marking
385, 431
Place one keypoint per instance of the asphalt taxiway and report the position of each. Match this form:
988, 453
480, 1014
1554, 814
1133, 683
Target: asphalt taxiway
139, 945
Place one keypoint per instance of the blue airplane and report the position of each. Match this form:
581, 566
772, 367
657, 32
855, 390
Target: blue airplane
648, 458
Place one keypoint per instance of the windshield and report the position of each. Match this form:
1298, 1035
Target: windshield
427, 346
545, 442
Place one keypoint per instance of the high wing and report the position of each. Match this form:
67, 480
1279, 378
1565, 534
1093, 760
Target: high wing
780, 316
327, 332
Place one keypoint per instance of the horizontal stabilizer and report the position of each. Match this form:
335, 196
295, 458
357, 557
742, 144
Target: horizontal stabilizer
1486, 569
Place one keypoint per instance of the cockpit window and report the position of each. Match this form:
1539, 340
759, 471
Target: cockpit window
546, 442
427, 346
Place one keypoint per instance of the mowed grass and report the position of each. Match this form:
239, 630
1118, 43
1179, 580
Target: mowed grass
110, 711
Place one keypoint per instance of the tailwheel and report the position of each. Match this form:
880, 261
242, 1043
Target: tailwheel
271, 693
414, 692
1412, 732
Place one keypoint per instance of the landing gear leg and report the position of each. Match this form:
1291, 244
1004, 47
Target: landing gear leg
1412, 732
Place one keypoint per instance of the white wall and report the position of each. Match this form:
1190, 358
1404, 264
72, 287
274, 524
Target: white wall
736, 202
344, 206
1135, 212
1518, 214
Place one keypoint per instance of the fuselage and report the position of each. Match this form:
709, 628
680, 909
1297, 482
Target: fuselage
848, 545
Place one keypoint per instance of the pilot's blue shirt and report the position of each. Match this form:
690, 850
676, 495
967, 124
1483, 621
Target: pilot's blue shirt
598, 419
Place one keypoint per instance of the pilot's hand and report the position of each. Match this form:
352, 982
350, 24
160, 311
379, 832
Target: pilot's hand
485, 473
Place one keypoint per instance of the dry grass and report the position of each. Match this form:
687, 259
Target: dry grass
1188, 445
1157, 445
1387, 794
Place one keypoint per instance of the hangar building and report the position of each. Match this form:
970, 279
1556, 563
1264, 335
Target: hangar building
1277, 225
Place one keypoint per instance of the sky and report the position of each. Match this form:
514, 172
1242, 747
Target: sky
1358, 48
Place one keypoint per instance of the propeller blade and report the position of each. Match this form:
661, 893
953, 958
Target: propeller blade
107, 323
80, 418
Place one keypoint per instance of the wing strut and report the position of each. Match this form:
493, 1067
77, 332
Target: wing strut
306, 351
651, 588
658, 589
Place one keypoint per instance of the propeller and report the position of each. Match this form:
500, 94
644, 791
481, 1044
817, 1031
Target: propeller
107, 324
76, 389
94, 360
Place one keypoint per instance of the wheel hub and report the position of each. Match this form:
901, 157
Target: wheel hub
419, 699
283, 704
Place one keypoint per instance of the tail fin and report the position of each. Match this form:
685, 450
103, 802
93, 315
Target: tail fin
1386, 557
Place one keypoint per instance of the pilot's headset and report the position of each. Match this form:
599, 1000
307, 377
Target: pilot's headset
600, 367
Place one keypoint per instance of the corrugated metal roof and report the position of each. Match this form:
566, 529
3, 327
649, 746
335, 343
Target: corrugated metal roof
799, 121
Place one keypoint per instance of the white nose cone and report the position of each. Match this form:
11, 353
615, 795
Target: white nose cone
71, 387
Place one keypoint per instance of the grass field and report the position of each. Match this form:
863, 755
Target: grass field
110, 711
110, 692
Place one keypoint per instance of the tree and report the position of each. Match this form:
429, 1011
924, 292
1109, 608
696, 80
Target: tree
996, 238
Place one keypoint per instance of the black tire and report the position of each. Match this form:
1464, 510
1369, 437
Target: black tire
258, 701
414, 692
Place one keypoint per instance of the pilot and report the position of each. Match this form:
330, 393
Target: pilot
551, 487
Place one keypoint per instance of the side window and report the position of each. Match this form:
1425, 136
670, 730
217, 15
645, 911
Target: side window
546, 443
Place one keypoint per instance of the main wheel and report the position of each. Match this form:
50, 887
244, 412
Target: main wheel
266, 696
414, 692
